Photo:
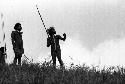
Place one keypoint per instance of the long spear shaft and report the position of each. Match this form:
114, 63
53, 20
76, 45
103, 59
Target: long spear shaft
41, 19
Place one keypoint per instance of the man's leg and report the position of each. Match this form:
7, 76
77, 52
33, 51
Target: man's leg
59, 57
19, 59
53, 58
15, 59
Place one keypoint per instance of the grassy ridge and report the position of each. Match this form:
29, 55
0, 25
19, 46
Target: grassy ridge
46, 74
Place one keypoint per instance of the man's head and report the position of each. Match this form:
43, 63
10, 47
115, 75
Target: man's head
51, 31
18, 27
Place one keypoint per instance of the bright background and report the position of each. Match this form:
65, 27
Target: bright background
95, 29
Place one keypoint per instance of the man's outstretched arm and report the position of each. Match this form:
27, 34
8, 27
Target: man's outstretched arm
64, 37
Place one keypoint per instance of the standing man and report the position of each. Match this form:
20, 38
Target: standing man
53, 40
17, 42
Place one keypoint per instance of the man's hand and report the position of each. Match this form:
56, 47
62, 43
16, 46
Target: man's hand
64, 36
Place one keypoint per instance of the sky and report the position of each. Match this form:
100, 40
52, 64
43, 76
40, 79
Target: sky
95, 29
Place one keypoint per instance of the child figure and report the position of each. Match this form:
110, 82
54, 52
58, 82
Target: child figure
53, 40
17, 42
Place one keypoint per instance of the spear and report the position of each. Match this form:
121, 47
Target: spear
42, 19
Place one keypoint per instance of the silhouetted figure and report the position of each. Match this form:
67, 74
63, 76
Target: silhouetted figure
53, 40
2, 56
17, 42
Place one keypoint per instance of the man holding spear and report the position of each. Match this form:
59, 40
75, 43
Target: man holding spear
53, 40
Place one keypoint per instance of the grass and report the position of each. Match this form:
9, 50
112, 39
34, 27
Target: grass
46, 74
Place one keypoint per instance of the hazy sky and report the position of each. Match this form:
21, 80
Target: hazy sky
95, 28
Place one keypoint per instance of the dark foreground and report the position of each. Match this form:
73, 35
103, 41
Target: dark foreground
46, 74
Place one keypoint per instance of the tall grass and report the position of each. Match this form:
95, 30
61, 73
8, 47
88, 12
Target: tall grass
46, 74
